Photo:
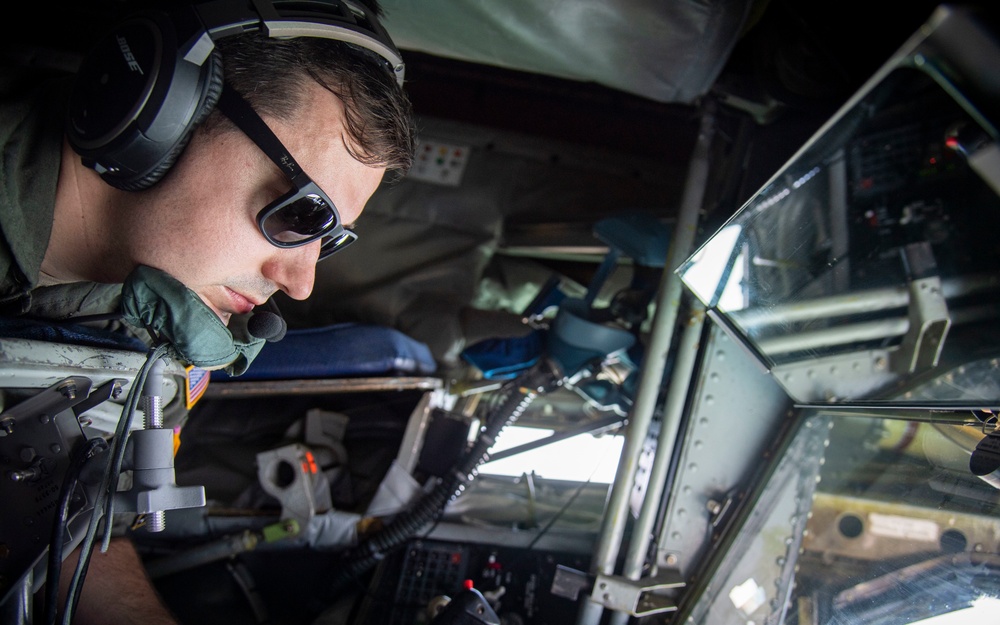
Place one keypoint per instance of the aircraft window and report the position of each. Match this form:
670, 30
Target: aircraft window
865, 520
860, 268
982, 612
582, 458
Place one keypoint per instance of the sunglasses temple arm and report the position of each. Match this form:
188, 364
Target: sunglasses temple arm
239, 111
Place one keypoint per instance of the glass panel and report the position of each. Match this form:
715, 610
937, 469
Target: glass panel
874, 521
870, 243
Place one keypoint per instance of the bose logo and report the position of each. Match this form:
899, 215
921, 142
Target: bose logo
127, 53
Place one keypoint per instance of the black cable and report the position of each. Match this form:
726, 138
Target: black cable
109, 483
558, 515
370, 551
81, 455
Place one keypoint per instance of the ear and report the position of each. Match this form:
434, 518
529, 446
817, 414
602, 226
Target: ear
207, 105
140, 94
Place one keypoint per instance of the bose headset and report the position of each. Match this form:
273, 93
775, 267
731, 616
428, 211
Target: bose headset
147, 85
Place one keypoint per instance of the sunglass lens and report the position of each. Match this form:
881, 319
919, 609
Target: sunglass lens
303, 219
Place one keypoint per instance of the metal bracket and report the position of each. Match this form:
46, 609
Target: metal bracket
109, 390
36, 438
568, 582
928, 312
637, 597
929, 325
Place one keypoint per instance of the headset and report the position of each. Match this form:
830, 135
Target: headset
148, 83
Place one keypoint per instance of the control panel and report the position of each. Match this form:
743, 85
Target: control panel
414, 583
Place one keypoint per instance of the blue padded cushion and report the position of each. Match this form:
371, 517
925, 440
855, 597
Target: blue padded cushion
35, 330
341, 350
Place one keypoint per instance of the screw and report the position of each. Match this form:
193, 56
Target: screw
156, 521
152, 408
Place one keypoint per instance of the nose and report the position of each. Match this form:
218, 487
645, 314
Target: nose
294, 269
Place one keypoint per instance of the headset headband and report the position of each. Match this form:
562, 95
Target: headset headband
341, 20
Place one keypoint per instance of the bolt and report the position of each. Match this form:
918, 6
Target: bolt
27, 475
7, 425
27, 453
713, 506
116, 390
68, 389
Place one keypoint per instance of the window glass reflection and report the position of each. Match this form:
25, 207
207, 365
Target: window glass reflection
887, 526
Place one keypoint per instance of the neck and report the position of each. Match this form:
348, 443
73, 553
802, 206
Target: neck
82, 244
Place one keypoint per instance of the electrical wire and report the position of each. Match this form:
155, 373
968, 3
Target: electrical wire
558, 515
81, 455
109, 483
124, 427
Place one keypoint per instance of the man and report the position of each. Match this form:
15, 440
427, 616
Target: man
70, 238
345, 125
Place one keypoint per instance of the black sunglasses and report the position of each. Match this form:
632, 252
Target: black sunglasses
305, 213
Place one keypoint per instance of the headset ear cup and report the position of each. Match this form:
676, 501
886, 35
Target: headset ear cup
213, 89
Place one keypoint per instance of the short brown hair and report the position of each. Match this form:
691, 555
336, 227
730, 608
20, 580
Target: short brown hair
270, 74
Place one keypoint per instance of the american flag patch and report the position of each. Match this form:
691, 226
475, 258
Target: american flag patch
197, 382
